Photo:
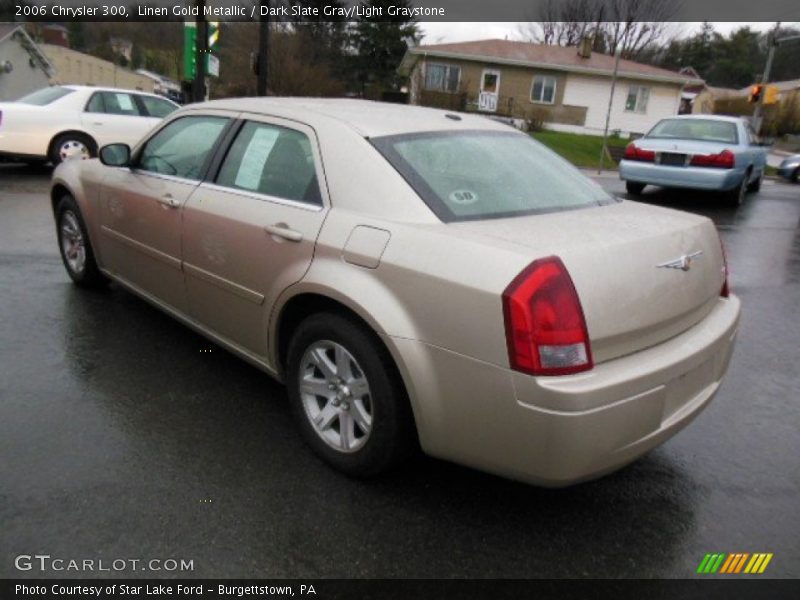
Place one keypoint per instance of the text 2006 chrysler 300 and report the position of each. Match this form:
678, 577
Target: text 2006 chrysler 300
414, 276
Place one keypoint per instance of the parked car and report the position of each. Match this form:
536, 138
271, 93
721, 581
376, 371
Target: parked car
703, 152
66, 121
790, 168
414, 277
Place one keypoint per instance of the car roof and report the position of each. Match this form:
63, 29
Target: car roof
368, 118
725, 118
100, 88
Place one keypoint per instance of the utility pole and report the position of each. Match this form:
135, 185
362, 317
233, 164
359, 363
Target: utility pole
759, 110
200, 53
608, 112
263, 49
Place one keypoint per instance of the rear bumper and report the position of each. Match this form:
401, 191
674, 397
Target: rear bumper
680, 177
562, 430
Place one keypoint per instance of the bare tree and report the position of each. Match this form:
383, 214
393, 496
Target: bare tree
632, 26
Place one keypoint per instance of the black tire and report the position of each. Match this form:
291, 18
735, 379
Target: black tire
735, 197
71, 139
755, 186
392, 437
634, 188
69, 217
795, 175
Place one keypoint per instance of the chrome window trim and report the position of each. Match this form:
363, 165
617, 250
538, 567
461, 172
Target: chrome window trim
264, 197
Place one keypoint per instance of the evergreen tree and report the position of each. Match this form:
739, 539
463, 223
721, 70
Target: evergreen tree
381, 45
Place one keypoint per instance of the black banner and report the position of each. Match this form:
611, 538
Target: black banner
353, 10
405, 589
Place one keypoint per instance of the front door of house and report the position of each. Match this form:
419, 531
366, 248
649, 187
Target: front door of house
490, 90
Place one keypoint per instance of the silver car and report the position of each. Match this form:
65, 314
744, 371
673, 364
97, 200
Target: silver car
703, 152
790, 168
417, 278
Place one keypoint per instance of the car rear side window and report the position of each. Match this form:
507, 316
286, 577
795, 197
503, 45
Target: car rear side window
183, 147
45, 96
271, 160
113, 103
471, 175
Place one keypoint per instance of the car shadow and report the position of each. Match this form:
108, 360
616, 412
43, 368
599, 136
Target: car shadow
196, 421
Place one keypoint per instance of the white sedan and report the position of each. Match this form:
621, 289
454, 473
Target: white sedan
60, 122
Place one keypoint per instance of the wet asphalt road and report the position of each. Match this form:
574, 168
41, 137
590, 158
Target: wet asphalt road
125, 435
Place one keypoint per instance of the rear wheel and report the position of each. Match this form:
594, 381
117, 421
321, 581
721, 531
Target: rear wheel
795, 175
735, 197
346, 396
73, 242
71, 145
634, 188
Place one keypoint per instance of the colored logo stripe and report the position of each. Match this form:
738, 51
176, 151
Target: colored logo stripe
734, 563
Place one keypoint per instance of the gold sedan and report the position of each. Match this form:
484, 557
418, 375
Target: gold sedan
416, 278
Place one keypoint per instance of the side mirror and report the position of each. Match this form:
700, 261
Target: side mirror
115, 155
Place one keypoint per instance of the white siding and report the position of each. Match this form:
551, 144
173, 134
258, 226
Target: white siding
593, 92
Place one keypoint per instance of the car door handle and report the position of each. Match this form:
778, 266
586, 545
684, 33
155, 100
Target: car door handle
168, 201
281, 230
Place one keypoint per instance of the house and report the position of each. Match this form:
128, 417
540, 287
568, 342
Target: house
73, 67
566, 88
707, 96
24, 68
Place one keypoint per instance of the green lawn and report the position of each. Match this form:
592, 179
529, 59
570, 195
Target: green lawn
580, 150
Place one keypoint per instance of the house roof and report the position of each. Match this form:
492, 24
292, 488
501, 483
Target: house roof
562, 58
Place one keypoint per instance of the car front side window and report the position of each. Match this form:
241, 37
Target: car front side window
157, 107
183, 147
272, 160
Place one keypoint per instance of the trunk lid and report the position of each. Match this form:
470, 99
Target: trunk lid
613, 255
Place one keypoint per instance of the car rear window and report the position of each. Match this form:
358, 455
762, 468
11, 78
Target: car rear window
45, 95
473, 175
706, 130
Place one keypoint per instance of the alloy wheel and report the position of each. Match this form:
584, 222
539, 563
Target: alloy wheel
72, 242
336, 396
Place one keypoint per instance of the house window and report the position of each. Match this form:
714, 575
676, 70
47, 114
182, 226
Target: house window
637, 99
544, 89
442, 78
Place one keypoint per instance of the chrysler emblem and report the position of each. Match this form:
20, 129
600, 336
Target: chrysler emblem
684, 263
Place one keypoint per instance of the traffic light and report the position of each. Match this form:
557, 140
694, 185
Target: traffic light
755, 93
771, 95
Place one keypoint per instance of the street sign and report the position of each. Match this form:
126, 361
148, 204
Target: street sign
189, 42
212, 65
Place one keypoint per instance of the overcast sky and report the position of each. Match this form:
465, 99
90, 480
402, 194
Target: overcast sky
439, 33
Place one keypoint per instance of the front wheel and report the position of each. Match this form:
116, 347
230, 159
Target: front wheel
755, 186
346, 396
73, 242
634, 188
795, 175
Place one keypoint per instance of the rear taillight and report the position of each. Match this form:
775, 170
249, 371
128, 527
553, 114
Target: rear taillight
726, 290
633, 152
723, 160
545, 327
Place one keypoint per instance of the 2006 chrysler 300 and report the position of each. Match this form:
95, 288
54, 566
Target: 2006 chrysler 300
414, 277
